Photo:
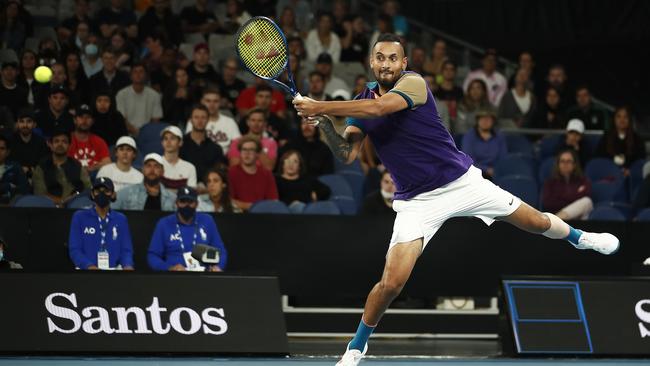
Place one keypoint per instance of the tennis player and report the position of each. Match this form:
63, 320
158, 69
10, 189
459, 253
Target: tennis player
435, 181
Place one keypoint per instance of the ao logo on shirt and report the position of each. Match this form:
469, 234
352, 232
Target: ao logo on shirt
89, 230
176, 237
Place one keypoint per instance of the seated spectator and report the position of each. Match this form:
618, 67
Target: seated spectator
200, 71
57, 176
318, 158
68, 26
87, 148
496, 83
567, 191
621, 143
5, 263
249, 182
247, 99
56, 116
116, 16
527, 63
197, 148
518, 104
593, 116
59, 80
27, 148
484, 143
199, 18
475, 99
162, 78
177, 98
574, 140
153, 53
138, 103
124, 49
416, 60
77, 81
12, 179
436, 63
448, 92
383, 24
558, 80
359, 84
231, 86
332, 82
12, 95
236, 16
354, 42
159, 18
381, 202
91, 60
178, 172
15, 27
221, 129
150, 194
256, 123
176, 235
217, 199
122, 172
323, 39
295, 188
26, 74
550, 113
100, 237
400, 24
108, 123
316, 89
110, 79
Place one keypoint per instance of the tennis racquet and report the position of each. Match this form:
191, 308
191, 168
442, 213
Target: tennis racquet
262, 49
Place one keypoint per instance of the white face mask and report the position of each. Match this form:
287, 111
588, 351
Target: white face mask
387, 195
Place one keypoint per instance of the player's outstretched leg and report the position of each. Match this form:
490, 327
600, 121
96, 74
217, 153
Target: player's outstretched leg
399, 263
551, 226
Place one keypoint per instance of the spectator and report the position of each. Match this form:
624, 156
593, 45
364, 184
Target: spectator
123, 48
323, 39
138, 103
417, 60
108, 123
622, 144
25, 76
116, 16
594, 117
197, 148
5, 263
110, 78
476, 98
199, 19
332, 83
484, 143
400, 25
359, 84
153, 51
340, 14
236, 16
297, 47
381, 202
200, 71
221, 129
557, 79
317, 87
177, 98
122, 172
527, 63
176, 235
14, 30
518, 104
567, 191
496, 83
267, 154
90, 59
159, 19
27, 148
247, 99
287, 22
151, 194
302, 8
295, 188
82, 34
316, 156
12, 95
68, 27
448, 92
354, 42
436, 63
276, 125
574, 140
59, 80
12, 179
384, 25
100, 238
87, 148
178, 172
249, 182
77, 82
231, 86
217, 199
550, 114
56, 116
56, 176
163, 77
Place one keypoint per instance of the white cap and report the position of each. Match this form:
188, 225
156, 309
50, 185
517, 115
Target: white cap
153, 156
576, 125
126, 140
174, 130
341, 93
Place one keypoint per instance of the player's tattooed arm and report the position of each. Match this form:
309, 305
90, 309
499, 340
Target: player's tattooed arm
344, 147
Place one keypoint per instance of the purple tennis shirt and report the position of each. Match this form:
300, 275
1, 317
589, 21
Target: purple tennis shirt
413, 144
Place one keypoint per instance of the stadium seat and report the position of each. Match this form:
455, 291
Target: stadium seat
548, 146
603, 170
322, 208
339, 187
591, 142
356, 181
605, 213
545, 169
523, 187
149, 135
643, 215
623, 207
340, 167
79, 202
518, 144
636, 175
347, 205
269, 206
34, 201
514, 165
604, 191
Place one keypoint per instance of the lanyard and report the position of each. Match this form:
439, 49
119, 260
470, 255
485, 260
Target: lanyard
180, 236
102, 232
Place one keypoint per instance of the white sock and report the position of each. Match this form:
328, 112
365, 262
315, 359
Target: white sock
558, 230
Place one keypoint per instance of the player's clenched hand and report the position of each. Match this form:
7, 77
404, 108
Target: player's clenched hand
305, 106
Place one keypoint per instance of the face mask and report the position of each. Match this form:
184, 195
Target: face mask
102, 200
387, 195
186, 212
91, 49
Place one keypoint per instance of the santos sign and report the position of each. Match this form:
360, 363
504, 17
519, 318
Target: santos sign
134, 313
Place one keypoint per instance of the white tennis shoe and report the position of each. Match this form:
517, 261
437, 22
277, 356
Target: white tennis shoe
352, 357
603, 243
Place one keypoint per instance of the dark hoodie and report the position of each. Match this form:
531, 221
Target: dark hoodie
110, 125
317, 156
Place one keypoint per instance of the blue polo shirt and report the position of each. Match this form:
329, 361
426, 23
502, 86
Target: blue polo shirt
85, 239
168, 244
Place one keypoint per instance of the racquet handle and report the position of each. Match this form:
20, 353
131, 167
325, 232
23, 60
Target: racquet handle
297, 96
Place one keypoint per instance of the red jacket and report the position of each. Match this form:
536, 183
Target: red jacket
558, 193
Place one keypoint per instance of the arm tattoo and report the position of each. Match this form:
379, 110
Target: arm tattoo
341, 146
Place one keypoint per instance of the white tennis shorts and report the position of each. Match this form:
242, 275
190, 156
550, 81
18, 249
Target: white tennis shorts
469, 195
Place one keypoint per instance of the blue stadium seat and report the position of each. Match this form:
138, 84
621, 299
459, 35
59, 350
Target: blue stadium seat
636, 175
80, 201
150, 134
601, 169
643, 215
623, 207
606, 214
545, 169
548, 146
518, 144
356, 181
269, 206
347, 205
33, 201
354, 167
322, 208
458, 139
591, 142
521, 186
604, 191
514, 164
339, 187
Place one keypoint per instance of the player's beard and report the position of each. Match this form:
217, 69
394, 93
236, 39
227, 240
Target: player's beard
385, 82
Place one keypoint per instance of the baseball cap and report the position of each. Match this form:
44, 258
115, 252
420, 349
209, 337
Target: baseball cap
153, 156
26, 112
341, 94
200, 46
126, 140
82, 110
104, 182
58, 89
187, 193
173, 130
10, 63
575, 125
324, 58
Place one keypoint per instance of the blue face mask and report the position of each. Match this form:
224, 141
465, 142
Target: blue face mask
102, 199
187, 212
91, 49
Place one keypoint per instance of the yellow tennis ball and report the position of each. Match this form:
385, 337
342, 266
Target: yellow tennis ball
43, 74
